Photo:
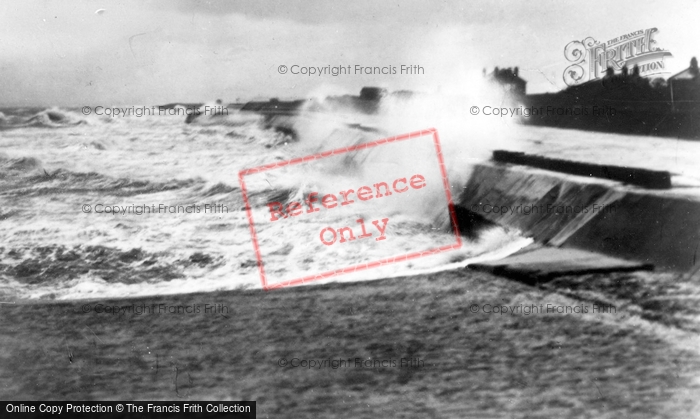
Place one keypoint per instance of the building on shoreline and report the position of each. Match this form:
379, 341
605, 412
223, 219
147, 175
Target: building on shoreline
509, 80
684, 87
621, 102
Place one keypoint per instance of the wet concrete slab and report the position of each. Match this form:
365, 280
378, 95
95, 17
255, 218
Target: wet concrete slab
535, 265
650, 179
660, 227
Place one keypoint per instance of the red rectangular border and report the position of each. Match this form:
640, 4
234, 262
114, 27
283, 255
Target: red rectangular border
362, 266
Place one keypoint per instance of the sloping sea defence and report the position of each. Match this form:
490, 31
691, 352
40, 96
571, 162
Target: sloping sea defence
654, 229
659, 227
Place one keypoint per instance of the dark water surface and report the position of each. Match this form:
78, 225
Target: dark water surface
466, 362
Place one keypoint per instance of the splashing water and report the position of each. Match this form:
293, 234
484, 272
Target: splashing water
106, 207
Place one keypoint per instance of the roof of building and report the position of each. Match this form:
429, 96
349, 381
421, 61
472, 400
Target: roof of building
507, 75
689, 73
686, 74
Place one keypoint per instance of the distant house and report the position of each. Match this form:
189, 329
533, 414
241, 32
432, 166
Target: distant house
690, 73
509, 80
373, 94
685, 86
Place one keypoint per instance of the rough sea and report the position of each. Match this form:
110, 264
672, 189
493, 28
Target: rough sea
96, 206
75, 195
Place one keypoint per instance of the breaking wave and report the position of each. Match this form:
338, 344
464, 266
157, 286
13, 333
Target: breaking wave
57, 249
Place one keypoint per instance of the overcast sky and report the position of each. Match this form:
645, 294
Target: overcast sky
149, 52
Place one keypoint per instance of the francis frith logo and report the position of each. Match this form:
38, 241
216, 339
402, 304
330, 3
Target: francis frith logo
591, 59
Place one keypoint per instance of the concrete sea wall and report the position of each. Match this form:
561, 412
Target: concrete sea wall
649, 226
